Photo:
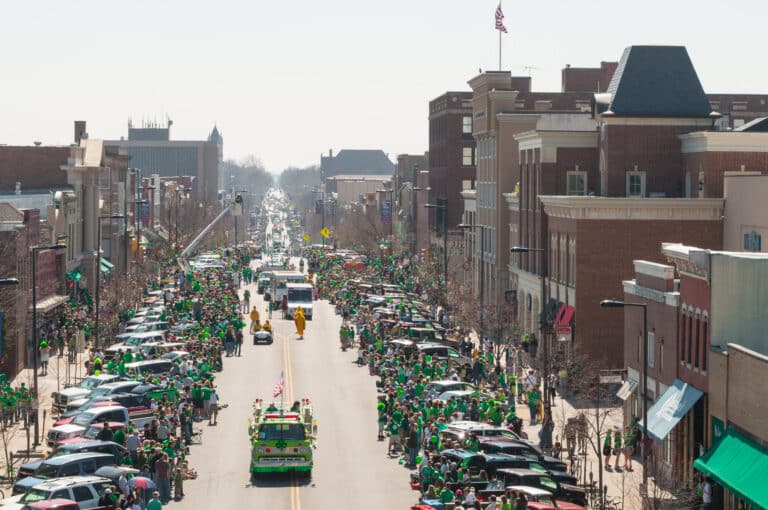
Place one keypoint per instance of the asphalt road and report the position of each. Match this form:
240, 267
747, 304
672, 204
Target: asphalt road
351, 470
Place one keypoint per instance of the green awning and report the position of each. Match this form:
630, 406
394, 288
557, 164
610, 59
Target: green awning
738, 464
107, 263
106, 266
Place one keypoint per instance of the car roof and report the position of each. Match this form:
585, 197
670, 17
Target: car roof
146, 362
65, 459
533, 491
86, 444
446, 381
103, 409
460, 452
117, 384
66, 481
103, 376
522, 472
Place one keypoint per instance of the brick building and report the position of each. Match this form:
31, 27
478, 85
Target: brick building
33, 167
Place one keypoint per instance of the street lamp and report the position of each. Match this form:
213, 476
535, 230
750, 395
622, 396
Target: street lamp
615, 303
35, 346
444, 208
239, 202
140, 202
98, 269
482, 229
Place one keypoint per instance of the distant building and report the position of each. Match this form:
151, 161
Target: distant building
746, 217
356, 162
152, 151
353, 188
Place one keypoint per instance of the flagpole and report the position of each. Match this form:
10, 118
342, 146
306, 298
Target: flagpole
499, 49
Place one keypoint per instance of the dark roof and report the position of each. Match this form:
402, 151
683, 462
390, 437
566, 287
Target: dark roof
657, 81
362, 162
759, 125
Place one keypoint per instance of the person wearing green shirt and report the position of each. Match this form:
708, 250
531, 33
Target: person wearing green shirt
119, 436
629, 445
154, 503
617, 447
471, 443
447, 496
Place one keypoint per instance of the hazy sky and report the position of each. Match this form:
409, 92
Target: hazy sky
287, 80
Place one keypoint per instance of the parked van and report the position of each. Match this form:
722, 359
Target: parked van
76, 464
85, 490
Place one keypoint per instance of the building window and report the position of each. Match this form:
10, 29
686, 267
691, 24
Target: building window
696, 342
572, 264
689, 339
651, 341
752, 241
466, 124
577, 183
468, 156
635, 184
705, 341
739, 106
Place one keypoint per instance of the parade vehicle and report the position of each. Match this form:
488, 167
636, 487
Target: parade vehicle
262, 335
282, 437
278, 283
299, 294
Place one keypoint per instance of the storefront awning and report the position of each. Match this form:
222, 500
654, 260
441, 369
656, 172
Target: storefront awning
565, 320
47, 304
626, 389
738, 464
106, 266
670, 409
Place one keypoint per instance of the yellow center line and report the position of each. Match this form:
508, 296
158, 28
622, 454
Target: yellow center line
288, 380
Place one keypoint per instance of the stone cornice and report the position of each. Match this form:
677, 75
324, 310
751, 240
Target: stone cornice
557, 139
667, 298
606, 208
610, 120
513, 201
723, 141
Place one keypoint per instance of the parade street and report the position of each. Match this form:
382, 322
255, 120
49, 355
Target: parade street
350, 468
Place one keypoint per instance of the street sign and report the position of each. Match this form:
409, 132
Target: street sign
306, 237
386, 212
325, 232
144, 212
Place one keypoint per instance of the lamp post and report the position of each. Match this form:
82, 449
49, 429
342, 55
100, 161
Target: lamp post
544, 329
140, 202
482, 228
415, 215
615, 303
98, 270
35, 346
443, 207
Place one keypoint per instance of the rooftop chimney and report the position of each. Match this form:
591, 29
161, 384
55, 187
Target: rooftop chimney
79, 131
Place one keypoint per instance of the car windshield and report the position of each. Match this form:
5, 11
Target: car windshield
46, 471
547, 483
286, 431
299, 295
91, 433
35, 495
100, 391
134, 340
83, 420
88, 383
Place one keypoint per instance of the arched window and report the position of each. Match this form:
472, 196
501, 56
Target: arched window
697, 339
705, 342
689, 338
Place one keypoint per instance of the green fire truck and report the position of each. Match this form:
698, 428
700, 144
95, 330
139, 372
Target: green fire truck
282, 437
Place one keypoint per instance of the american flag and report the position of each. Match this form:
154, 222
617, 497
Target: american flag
279, 386
499, 20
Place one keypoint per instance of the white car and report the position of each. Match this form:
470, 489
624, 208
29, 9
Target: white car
85, 490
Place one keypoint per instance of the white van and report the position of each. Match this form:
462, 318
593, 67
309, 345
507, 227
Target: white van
299, 294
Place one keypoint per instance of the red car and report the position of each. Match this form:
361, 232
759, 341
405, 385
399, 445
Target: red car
53, 504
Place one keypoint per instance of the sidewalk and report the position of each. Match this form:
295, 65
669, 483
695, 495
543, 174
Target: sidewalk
60, 372
621, 482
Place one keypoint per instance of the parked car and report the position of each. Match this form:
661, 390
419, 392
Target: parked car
155, 367
531, 478
436, 388
104, 389
82, 421
75, 464
85, 490
491, 445
117, 451
132, 342
61, 399
53, 504
148, 326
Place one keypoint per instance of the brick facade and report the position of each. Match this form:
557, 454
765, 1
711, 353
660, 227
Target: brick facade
33, 167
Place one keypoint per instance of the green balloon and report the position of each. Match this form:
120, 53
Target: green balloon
401, 462
428, 358
419, 459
